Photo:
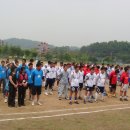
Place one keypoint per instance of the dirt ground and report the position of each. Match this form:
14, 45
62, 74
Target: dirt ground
57, 114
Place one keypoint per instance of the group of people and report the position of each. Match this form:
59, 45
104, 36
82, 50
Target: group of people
70, 79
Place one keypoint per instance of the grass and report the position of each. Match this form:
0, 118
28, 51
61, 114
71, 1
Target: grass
109, 120
112, 120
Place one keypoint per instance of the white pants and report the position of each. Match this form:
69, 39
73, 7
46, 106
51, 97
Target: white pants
63, 89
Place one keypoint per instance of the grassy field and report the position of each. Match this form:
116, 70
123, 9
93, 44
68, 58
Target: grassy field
115, 120
59, 115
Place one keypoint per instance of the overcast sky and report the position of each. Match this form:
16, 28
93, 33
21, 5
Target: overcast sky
65, 22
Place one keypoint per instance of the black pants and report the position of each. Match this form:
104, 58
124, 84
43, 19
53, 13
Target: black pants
49, 82
12, 95
3, 83
21, 95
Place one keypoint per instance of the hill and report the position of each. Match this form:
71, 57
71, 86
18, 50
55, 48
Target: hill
23, 43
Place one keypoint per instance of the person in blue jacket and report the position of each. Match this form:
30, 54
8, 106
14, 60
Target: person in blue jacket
22, 65
37, 77
8, 71
3, 75
29, 72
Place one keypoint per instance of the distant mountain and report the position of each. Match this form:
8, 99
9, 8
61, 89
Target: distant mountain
23, 43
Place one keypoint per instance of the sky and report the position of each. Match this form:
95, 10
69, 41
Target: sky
65, 22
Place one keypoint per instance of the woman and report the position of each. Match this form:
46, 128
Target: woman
12, 88
22, 84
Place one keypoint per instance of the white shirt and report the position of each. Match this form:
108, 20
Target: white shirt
101, 79
50, 73
89, 80
54, 72
44, 70
95, 78
69, 71
59, 70
75, 79
81, 74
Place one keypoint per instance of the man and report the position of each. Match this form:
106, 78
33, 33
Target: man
37, 77
124, 85
81, 72
22, 65
59, 70
29, 72
113, 77
101, 81
63, 83
74, 80
89, 85
3, 76
49, 79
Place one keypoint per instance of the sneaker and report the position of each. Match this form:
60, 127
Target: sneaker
76, 102
51, 93
60, 98
70, 102
121, 99
5, 100
66, 98
80, 98
125, 99
90, 101
93, 97
114, 95
39, 103
46, 93
33, 103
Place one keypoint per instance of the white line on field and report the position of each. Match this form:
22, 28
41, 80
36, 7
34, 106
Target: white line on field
61, 110
60, 115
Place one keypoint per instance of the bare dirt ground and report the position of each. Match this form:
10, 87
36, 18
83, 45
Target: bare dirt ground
59, 115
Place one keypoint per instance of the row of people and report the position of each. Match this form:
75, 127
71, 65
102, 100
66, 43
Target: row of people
75, 77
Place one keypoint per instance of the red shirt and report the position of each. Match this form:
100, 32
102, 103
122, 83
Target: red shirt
113, 77
125, 78
21, 78
96, 71
88, 70
85, 70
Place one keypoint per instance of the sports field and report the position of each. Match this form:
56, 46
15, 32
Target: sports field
59, 115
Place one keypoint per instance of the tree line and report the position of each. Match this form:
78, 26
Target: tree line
108, 52
16, 51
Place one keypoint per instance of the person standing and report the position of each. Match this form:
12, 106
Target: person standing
89, 85
22, 84
81, 80
3, 75
37, 77
100, 82
63, 83
12, 87
74, 80
124, 85
113, 77
29, 72
49, 79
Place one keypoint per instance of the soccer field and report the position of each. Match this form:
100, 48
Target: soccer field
59, 115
